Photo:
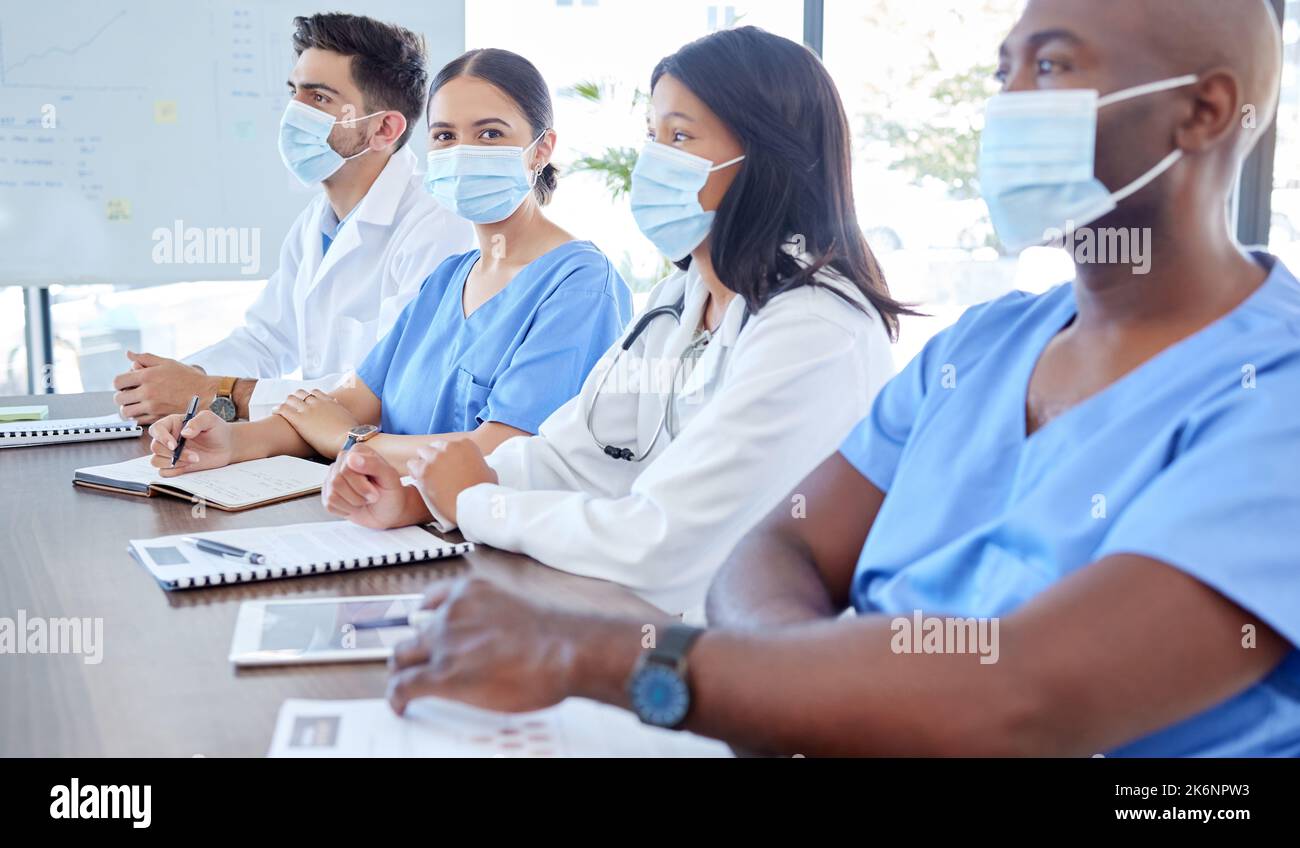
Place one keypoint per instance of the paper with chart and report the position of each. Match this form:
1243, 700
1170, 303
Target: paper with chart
237, 486
291, 546
433, 727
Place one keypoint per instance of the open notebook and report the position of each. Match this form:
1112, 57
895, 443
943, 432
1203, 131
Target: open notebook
292, 550
55, 431
241, 486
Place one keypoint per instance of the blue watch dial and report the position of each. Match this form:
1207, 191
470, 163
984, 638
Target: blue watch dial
660, 696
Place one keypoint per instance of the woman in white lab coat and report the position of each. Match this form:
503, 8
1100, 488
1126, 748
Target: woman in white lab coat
747, 369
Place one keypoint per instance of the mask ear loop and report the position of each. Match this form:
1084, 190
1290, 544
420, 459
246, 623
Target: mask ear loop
537, 172
1169, 161
353, 121
361, 118
727, 164
1149, 88
1148, 178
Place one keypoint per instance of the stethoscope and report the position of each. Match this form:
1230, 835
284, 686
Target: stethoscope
692, 350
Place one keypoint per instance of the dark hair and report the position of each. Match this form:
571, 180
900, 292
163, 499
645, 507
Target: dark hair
795, 180
520, 80
388, 62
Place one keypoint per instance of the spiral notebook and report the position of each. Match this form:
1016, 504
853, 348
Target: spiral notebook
58, 430
291, 550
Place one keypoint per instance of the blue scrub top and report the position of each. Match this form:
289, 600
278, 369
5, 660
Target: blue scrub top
515, 360
1190, 460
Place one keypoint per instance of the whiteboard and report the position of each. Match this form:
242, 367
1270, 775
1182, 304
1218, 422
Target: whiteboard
123, 118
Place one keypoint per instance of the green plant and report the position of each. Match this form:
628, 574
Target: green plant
614, 165
934, 148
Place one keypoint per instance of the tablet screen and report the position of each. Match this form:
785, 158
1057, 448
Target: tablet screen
332, 630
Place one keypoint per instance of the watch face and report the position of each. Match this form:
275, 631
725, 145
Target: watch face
224, 408
659, 696
363, 432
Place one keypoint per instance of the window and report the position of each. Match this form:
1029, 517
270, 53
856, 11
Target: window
1284, 232
914, 85
13, 342
94, 326
597, 59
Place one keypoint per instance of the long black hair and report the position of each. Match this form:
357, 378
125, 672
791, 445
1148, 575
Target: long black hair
520, 80
795, 181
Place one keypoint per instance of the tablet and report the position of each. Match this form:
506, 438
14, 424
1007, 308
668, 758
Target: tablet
320, 630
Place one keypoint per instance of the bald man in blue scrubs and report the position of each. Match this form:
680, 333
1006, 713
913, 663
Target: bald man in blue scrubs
1070, 526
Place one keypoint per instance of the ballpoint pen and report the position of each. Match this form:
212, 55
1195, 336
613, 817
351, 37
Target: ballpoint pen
415, 619
180, 440
220, 549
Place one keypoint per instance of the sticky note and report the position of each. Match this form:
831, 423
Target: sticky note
164, 111
24, 413
119, 209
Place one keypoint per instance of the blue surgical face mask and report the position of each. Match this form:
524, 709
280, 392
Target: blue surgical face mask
1038, 161
481, 184
666, 185
304, 142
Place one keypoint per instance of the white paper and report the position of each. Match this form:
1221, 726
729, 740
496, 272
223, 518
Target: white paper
433, 727
291, 546
18, 434
67, 424
233, 486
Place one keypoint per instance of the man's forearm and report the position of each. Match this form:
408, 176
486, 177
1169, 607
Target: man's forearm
832, 688
242, 395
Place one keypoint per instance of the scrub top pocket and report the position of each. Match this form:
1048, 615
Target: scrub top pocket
471, 399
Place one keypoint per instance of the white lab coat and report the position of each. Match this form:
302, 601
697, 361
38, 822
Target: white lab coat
320, 315
761, 410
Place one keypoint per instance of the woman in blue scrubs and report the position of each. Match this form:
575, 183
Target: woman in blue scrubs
497, 338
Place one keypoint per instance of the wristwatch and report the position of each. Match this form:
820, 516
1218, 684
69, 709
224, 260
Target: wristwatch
658, 689
360, 433
224, 404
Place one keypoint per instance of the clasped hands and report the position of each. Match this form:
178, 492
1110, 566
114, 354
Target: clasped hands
366, 489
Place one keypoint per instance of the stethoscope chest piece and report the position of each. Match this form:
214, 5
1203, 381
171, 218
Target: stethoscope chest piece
626, 454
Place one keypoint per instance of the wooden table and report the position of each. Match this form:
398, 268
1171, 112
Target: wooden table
164, 686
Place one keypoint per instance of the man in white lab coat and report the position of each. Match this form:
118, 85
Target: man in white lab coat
355, 256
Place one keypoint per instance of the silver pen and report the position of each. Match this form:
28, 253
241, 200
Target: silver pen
220, 549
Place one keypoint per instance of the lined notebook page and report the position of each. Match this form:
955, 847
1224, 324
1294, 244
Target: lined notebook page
290, 550
238, 485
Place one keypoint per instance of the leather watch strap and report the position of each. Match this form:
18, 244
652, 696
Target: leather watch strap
226, 387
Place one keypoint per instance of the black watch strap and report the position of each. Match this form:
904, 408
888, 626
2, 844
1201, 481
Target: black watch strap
673, 643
